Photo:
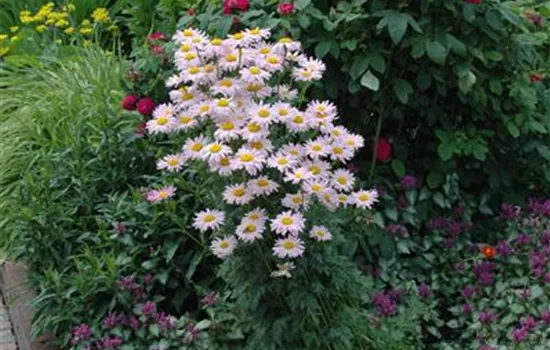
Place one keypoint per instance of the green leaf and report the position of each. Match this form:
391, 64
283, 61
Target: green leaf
154, 330
436, 52
445, 150
536, 292
513, 129
423, 80
402, 90
452, 324
392, 213
301, 4
397, 26
359, 66
387, 246
170, 248
469, 12
398, 168
466, 82
435, 179
456, 45
204, 324
439, 199
418, 49
377, 62
370, 81
322, 48
494, 56
303, 20
403, 247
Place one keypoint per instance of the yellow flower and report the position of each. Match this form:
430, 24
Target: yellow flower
100, 15
86, 23
14, 29
3, 37
15, 38
58, 41
85, 31
69, 8
86, 42
41, 28
50, 21
4, 50
62, 23
69, 30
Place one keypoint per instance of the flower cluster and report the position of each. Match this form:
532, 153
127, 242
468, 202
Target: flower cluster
238, 98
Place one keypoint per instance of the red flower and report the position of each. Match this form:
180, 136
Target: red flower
141, 129
534, 18
190, 11
473, 1
383, 151
156, 36
535, 78
488, 252
285, 8
129, 102
145, 106
238, 5
157, 50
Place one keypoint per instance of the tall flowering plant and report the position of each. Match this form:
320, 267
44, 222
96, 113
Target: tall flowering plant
240, 102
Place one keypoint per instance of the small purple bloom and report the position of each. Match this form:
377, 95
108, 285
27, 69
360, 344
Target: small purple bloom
110, 343
149, 309
436, 223
402, 202
486, 317
449, 243
193, 333
461, 266
409, 182
545, 317
523, 240
385, 304
210, 299
119, 228
397, 293
509, 211
504, 248
487, 347
133, 322
519, 334
528, 322
148, 279
525, 294
466, 309
81, 332
424, 291
397, 230
484, 272
469, 291
165, 321
111, 320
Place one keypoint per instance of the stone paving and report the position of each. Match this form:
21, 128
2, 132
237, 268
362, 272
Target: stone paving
7, 339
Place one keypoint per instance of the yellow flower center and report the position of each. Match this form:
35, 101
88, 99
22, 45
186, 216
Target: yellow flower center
287, 221
298, 119
316, 187
228, 126
299, 175
231, 57
185, 48
315, 170
197, 147
350, 142
216, 41
209, 68
188, 33
190, 56
255, 31
336, 132
342, 180
337, 150
262, 183
238, 36
320, 234
326, 197
297, 200
205, 108
263, 113
257, 145
250, 228
254, 216
364, 197
194, 70
173, 162
162, 121
196, 40
306, 73
253, 127
317, 148
225, 161
209, 218
288, 245
265, 50
342, 198
283, 112
226, 83
239, 192
294, 152
163, 194
254, 70
247, 157
282, 161
285, 40
223, 102
272, 59
187, 96
215, 148
185, 120
224, 244
253, 87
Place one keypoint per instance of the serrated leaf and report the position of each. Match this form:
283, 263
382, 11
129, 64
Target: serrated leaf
370, 81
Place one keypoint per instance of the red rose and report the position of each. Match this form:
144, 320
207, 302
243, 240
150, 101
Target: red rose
238, 5
383, 151
129, 102
535, 78
156, 36
141, 129
488, 252
285, 8
145, 106
473, 1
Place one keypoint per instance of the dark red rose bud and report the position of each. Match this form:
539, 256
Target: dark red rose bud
190, 11
237, 5
157, 50
285, 8
140, 131
129, 102
145, 106
535, 78
156, 36
383, 151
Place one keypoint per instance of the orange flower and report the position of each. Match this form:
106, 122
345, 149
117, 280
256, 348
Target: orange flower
488, 251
